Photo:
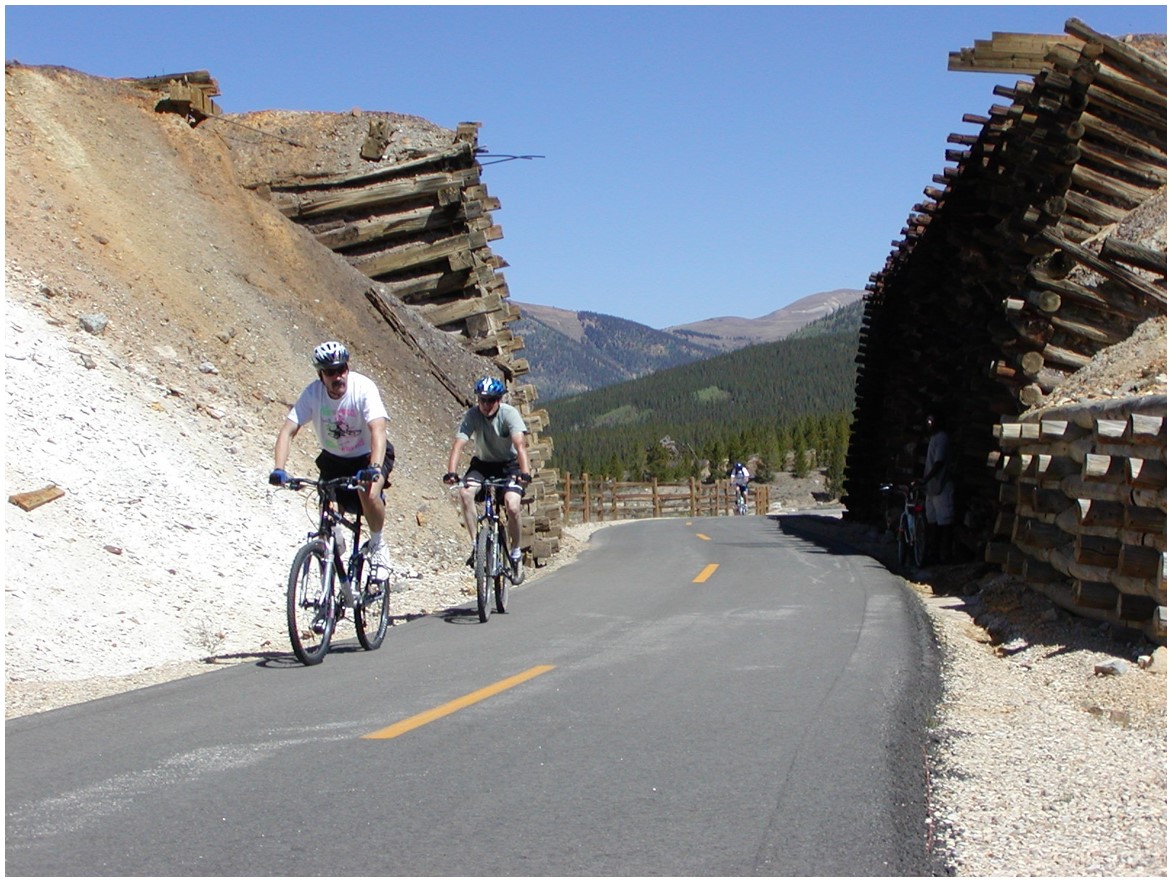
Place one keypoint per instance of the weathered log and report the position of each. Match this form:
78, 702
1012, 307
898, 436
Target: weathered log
1095, 595
1134, 608
1099, 551
1105, 268
1121, 56
1134, 255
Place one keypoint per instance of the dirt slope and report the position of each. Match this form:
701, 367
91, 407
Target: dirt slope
159, 428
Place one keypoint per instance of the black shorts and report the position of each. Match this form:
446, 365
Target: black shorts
331, 466
480, 469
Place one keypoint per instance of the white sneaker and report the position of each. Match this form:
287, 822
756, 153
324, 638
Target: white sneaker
380, 562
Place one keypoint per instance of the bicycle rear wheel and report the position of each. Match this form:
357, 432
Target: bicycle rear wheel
373, 610
310, 603
485, 552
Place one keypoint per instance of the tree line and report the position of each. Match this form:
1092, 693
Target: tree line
783, 405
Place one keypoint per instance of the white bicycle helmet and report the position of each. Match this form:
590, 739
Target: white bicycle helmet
330, 354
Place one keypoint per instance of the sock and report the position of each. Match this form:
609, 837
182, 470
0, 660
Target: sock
376, 539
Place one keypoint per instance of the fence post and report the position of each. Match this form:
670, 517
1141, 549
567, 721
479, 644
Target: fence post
585, 497
655, 497
692, 501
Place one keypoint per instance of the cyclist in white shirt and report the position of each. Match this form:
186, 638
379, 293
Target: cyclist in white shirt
739, 478
350, 420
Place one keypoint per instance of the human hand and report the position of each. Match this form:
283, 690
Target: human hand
278, 477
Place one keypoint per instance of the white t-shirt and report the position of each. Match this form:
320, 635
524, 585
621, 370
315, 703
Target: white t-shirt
342, 425
740, 477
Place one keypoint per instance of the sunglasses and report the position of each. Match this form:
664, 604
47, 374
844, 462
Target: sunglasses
335, 371
486, 400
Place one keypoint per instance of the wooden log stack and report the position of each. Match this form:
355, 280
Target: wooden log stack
420, 229
1087, 525
188, 94
1014, 272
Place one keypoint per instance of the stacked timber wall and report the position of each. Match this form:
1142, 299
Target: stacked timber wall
1085, 493
1012, 274
420, 229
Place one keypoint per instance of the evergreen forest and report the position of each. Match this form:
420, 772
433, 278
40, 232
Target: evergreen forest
783, 405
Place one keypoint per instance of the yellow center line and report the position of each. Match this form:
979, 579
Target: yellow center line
705, 573
451, 707
705, 538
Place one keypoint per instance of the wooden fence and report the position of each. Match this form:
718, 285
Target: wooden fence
587, 500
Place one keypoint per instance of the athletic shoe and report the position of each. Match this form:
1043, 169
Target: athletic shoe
517, 571
380, 562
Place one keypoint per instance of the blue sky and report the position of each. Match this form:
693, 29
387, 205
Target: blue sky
699, 161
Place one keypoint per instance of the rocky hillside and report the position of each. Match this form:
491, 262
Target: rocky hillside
159, 319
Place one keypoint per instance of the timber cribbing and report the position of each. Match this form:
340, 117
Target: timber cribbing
1016, 270
420, 229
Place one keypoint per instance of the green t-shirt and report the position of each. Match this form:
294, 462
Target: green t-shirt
493, 435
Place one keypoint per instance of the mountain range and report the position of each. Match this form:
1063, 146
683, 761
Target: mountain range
571, 352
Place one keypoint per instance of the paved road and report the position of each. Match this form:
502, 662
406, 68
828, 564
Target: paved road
708, 697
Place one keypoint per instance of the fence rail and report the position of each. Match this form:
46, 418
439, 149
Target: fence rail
587, 500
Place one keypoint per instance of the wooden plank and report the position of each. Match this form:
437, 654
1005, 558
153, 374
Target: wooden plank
31, 499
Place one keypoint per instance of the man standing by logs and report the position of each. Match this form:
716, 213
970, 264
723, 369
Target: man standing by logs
939, 503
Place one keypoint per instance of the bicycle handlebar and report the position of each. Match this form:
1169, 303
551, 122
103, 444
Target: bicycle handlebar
344, 483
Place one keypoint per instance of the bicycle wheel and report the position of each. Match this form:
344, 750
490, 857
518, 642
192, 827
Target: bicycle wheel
919, 539
310, 603
901, 543
484, 566
373, 610
500, 581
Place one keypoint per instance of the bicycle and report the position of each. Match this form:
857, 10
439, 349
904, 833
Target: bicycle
742, 505
322, 585
491, 561
912, 534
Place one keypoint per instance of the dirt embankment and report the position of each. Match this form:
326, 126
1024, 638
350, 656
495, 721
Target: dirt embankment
202, 304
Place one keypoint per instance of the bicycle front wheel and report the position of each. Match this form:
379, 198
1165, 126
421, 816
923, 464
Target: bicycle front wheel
310, 603
373, 610
485, 552
901, 540
500, 581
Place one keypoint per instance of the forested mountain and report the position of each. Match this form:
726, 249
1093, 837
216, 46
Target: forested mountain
571, 352
846, 319
762, 401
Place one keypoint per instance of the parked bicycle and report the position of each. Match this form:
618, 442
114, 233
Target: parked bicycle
323, 584
491, 561
911, 536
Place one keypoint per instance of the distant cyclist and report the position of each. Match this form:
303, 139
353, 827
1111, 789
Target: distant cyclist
739, 478
351, 423
501, 451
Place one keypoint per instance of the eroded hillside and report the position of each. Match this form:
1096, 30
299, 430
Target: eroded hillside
159, 426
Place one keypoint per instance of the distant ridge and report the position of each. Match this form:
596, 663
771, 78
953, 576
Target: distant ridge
733, 332
571, 352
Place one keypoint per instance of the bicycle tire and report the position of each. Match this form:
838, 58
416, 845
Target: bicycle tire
500, 581
484, 551
920, 540
310, 602
901, 543
372, 612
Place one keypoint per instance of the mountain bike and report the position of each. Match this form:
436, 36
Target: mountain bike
322, 585
491, 559
912, 533
742, 504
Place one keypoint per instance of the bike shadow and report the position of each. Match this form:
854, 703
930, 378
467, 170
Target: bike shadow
460, 615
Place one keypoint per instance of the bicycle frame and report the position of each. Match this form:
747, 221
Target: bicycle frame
492, 546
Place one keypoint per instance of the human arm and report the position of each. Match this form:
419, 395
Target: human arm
284, 442
520, 443
454, 458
